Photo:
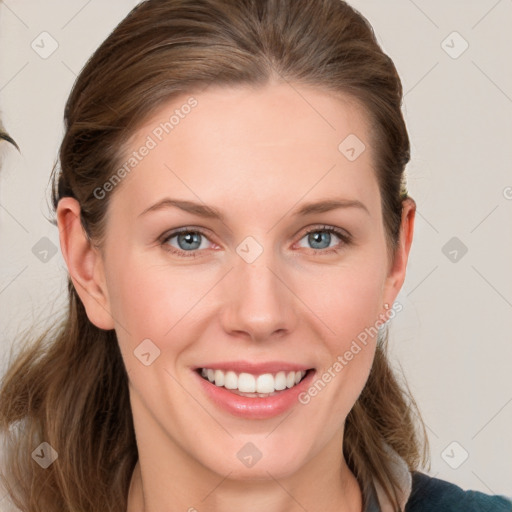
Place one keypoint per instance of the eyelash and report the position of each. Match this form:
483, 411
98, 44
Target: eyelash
344, 237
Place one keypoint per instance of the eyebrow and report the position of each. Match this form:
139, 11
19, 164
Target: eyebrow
209, 212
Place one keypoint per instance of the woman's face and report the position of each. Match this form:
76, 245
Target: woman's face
250, 292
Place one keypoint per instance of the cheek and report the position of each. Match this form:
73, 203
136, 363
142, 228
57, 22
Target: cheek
152, 300
349, 300
349, 305
350, 311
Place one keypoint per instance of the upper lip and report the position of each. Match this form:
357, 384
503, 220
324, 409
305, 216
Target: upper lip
256, 368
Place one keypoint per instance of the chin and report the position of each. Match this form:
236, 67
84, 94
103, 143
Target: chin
258, 466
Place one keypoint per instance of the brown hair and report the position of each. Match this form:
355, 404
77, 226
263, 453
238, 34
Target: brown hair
69, 388
5, 136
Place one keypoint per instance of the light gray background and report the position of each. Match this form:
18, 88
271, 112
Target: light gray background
453, 338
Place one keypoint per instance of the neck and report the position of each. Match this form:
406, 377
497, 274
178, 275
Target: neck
320, 489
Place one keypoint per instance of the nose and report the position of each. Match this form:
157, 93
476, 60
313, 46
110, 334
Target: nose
260, 304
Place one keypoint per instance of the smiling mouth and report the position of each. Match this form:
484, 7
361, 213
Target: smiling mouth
250, 385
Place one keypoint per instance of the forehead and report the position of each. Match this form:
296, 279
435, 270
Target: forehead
230, 145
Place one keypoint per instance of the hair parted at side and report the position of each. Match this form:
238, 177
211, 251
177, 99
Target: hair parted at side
69, 386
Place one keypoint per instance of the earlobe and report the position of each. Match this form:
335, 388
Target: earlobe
84, 264
397, 271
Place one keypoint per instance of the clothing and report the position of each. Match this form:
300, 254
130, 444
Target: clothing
419, 492
435, 495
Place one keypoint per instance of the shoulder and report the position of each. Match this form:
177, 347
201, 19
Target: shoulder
430, 494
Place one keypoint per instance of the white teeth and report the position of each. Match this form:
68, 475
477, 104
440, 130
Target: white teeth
230, 380
219, 378
280, 381
260, 385
265, 383
246, 383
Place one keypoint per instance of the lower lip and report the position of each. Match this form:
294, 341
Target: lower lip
255, 407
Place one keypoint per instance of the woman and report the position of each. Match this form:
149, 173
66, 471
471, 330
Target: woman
248, 371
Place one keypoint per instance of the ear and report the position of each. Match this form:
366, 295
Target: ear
85, 264
398, 266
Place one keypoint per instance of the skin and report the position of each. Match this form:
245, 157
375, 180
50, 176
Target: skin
256, 155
